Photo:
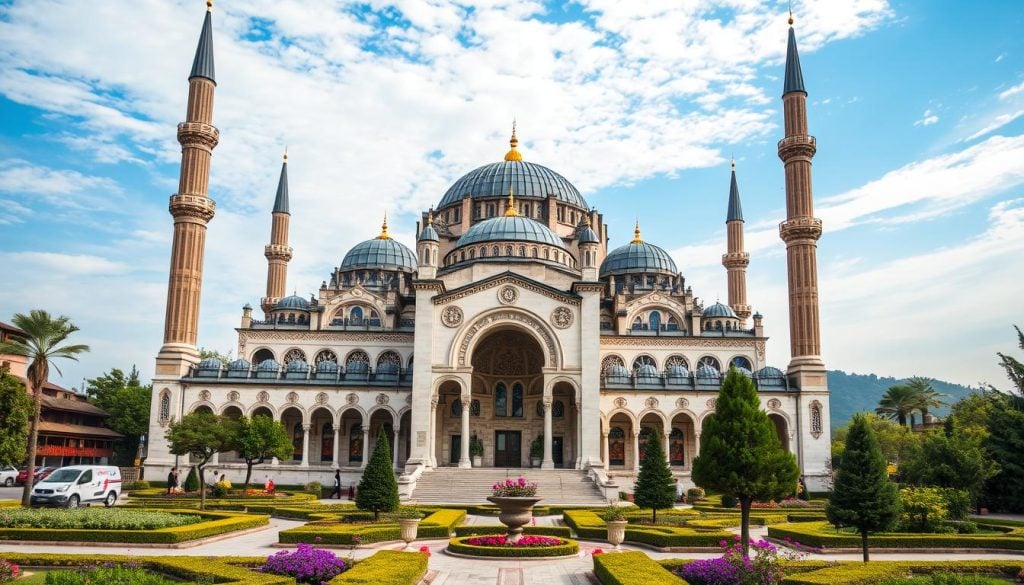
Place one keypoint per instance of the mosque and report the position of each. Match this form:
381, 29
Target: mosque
509, 336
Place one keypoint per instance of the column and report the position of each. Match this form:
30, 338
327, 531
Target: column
548, 461
464, 461
636, 451
305, 444
431, 458
394, 448
668, 451
337, 446
696, 446
604, 450
366, 446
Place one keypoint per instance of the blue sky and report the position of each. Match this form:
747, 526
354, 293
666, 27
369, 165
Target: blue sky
918, 108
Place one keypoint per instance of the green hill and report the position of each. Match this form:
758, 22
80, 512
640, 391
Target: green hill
852, 393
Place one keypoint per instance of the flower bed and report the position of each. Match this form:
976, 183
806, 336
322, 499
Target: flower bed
210, 524
306, 565
514, 488
560, 531
440, 524
94, 518
526, 547
108, 574
824, 535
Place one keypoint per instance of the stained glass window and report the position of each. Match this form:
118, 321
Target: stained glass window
500, 400
517, 400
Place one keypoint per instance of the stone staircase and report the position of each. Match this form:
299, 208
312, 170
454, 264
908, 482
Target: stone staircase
451, 485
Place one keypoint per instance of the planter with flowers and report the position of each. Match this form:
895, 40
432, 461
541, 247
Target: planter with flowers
616, 521
515, 499
409, 520
528, 547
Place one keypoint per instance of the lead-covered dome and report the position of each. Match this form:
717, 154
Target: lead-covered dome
509, 228
638, 257
719, 310
380, 253
293, 303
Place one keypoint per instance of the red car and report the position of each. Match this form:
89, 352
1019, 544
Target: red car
41, 472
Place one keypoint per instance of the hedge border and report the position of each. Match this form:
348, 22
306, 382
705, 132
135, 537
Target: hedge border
811, 534
440, 524
632, 568
218, 523
489, 529
589, 525
855, 573
567, 547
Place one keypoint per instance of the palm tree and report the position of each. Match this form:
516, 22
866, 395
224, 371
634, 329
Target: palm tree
927, 396
898, 403
41, 344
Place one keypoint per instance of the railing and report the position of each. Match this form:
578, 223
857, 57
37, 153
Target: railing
306, 376
665, 380
799, 139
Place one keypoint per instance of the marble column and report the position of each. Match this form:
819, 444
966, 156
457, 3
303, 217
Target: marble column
668, 449
464, 460
305, 444
636, 451
548, 462
604, 450
337, 446
394, 449
366, 447
431, 459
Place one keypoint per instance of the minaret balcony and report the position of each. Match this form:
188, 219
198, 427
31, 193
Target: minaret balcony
195, 206
198, 134
277, 251
736, 259
800, 228
797, 145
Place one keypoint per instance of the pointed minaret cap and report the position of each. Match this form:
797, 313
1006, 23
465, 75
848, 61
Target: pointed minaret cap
384, 235
735, 209
281, 201
513, 155
202, 65
794, 76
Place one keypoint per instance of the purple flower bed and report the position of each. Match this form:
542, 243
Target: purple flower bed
735, 568
306, 565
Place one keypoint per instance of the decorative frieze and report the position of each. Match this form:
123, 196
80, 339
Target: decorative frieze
509, 279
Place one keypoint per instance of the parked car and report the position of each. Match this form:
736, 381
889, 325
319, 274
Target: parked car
22, 476
8, 475
78, 484
42, 472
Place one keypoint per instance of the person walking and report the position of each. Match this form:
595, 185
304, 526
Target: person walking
172, 480
337, 484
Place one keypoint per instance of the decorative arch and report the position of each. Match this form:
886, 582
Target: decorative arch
394, 416
229, 404
389, 356
677, 359
364, 417
741, 360
294, 354
262, 405
644, 360
325, 355
283, 409
710, 361
817, 423
502, 317
665, 422
200, 404
262, 354
607, 418
165, 405
611, 360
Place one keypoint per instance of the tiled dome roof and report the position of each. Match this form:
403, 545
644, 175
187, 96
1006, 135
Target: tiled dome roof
719, 310
293, 302
509, 228
383, 253
587, 236
210, 364
529, 180
637, 257
239, 364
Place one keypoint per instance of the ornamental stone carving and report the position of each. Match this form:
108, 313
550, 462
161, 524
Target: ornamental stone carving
711, 403
651, 402
683, 403
508, 295
321, 398
382, 399
525, 320
292, 397
352, 398
233, 396
263, 396
561, 317
774, 404
451, 316
204, 395
620, 403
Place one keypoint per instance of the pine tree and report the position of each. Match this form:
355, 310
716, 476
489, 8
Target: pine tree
192, 481
655, 486
863, 497
740, 452
378, 490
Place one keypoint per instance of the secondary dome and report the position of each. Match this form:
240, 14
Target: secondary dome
380, 253
293, 302
529, 180
637, 257
719, 310
509, 228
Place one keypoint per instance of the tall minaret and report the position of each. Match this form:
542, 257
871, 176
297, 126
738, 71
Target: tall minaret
191, 208
278, 252
735, 259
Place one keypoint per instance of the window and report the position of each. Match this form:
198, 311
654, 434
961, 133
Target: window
457, 407
610, 362
672, 324
711, 362
355, 444
355, 316
557, 409
262, 356
644, 360
474, 408
294, 355
165, 407
816, 425
500, 400
326, 356
638, 324
741, 362
676, 361
616, 446
655, 320
517, 399
677, 447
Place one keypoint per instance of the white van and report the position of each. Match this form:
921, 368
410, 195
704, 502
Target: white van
78, 484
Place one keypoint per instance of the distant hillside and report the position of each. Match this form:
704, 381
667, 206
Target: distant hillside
852, 393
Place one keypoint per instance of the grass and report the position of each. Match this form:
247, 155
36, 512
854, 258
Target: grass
93, 518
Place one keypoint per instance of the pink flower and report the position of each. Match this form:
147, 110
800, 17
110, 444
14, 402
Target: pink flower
597, 551
425, 550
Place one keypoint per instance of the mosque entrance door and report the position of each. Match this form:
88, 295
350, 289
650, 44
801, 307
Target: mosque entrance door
556, 451
508, 449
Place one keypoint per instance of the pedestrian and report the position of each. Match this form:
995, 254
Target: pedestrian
172, 480
337, 484
268, 485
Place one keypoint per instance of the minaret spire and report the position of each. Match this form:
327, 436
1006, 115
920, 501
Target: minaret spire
794, 80
202, 65
510, 207
736, 259
636, 233
513, 154
384, 235
278, 253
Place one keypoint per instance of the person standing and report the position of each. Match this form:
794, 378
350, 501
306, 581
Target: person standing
337, 484
172, 480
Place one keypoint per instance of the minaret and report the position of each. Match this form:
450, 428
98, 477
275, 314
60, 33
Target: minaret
427, 245
801, 229
735, 259
278, 252
191, 208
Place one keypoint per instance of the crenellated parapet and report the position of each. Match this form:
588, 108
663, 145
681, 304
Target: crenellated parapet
198, 135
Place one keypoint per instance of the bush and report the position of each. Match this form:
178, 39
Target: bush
213, 523
821, 534
192, 481
879, 571
559, 531
306, 565
729, 501
958, 502
314, 487
632, 568
8, 571
694, 494
386, 567
127, 574
94, 518
137, 485
221, 488
924, 509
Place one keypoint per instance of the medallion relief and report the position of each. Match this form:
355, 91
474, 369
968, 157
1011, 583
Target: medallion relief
508, 295
561, 317
451, 316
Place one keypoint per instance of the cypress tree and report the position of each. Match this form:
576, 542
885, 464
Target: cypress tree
740, 452
192, 481
863, 497
655, 486
378, 490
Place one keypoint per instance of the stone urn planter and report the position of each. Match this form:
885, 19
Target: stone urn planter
410, 526
616, 532
515, 513
478, 460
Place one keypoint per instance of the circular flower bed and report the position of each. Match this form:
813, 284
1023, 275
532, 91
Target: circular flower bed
531, 546
306, 565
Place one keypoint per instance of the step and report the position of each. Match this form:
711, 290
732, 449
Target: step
451, 485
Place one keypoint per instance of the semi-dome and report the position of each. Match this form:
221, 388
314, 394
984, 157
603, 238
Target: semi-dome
744, 371
327, 366
239, 364
587, 236
380, 253
770, 375
646, 371
509, 228
638, 257
293, 302
210, 364
677, 372
429, 234
719, 310
705, 372
618, 371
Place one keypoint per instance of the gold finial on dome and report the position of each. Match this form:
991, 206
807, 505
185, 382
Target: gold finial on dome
384, 229
791, 13
513, 155
636, 234
209, 5
430, 217
510, 210
285, 153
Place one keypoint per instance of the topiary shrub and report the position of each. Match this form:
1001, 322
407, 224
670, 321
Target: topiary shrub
192, 481
694, 494
729, 501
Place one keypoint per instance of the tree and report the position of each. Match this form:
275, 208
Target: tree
378, 490
201, 435
863, 496
740, 452
899, 403
212, 353
260, 438
1014, 368
192, 481
950, 459
127, 401
927, 396
15, 410
655, 486
1006, 444
42, 343
897, 442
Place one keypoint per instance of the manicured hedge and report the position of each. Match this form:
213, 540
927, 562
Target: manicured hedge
823, 535
386, 567
587, 524
632, 568
559, 531
215, 523
565, 548
440, 524
856, 573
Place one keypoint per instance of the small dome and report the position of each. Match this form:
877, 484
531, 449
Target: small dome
292, 303
719, 310
587, 236
387, 368
677, 372
617, 371
210, 364
744, 371
298, 366
772, 376
357, 367
429, 234
269, 365
638, 257
327, 367
647, 371
509, 228
530, 181
381, 253
239, 364
708, 373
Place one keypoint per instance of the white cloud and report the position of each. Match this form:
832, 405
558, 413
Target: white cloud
927, 119
52, 262
58, 187
996, 123
1015, 90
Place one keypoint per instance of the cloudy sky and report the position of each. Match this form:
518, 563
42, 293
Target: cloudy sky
918, 108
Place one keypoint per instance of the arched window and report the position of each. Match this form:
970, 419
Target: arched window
610, 362
557, 409
500, 400
327, 443
472, 253
389, 358
374, 319
294, 354
297, 442
261, 356
517, 399
816, 424
676, 361
355, 316
457, 407
711, 363
540, 409
616, 446
644, 360
671, 324
326, 355
355, 444
483, 251
534, 250
165, 407
357, 362
474, 407
638, 324
741, 362
508, 250
522, 250
677, 447
645, 435
655, 320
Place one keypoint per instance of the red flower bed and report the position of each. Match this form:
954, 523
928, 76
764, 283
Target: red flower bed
525, 541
